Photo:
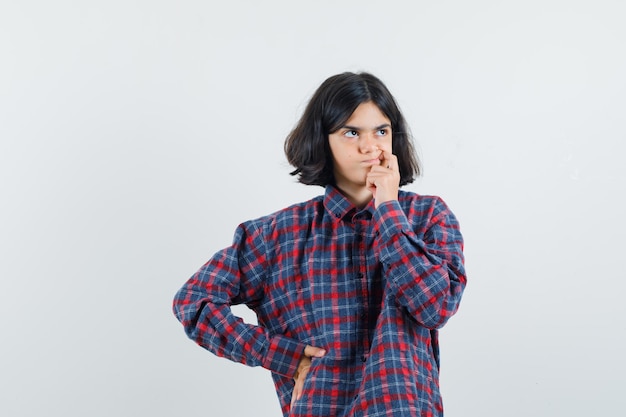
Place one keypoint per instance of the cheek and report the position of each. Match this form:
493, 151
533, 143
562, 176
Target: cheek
346, 159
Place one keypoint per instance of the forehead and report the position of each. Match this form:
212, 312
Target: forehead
367, 115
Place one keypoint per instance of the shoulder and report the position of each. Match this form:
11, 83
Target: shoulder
419, 208
288, 217
420, 202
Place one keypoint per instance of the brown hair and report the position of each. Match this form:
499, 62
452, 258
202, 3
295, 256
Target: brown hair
332, 104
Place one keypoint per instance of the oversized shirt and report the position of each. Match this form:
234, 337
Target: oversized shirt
370, 286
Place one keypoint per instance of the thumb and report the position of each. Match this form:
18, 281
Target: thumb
314, 352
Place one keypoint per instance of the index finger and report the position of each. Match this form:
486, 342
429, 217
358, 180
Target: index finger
389, 160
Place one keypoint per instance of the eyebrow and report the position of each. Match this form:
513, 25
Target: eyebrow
358, 128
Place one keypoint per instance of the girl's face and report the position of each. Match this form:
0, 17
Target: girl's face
358, 145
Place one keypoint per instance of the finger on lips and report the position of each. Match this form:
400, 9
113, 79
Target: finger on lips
386, 158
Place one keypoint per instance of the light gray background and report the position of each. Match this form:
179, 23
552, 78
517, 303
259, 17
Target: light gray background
136, 135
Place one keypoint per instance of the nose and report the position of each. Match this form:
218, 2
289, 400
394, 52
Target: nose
367, 143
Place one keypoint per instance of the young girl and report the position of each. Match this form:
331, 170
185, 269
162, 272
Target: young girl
350, 287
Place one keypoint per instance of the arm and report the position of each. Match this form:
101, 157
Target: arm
232, 276
425, 274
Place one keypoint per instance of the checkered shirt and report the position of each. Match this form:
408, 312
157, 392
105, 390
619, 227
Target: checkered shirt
371, 286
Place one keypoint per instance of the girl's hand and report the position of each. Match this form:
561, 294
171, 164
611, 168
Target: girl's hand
303, 370
383, 180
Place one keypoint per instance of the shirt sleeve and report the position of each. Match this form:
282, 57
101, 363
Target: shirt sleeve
425, 273
235, 275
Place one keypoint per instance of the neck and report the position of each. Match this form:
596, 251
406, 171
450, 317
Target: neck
359, 196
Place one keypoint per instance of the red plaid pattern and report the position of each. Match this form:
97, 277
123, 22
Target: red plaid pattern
370, 286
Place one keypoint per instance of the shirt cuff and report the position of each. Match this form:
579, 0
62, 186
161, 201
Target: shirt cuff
284, 355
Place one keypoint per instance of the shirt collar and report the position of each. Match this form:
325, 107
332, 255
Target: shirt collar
339, 206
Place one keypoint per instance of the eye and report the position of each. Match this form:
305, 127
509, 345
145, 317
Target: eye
351, 133
383, 132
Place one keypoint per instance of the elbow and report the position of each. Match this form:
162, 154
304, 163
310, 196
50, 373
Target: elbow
187, 313
436, 312
179, 306
436, 320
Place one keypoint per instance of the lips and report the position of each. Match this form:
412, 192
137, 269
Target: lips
373, 161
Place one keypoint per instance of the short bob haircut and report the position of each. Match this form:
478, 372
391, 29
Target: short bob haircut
332, 104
